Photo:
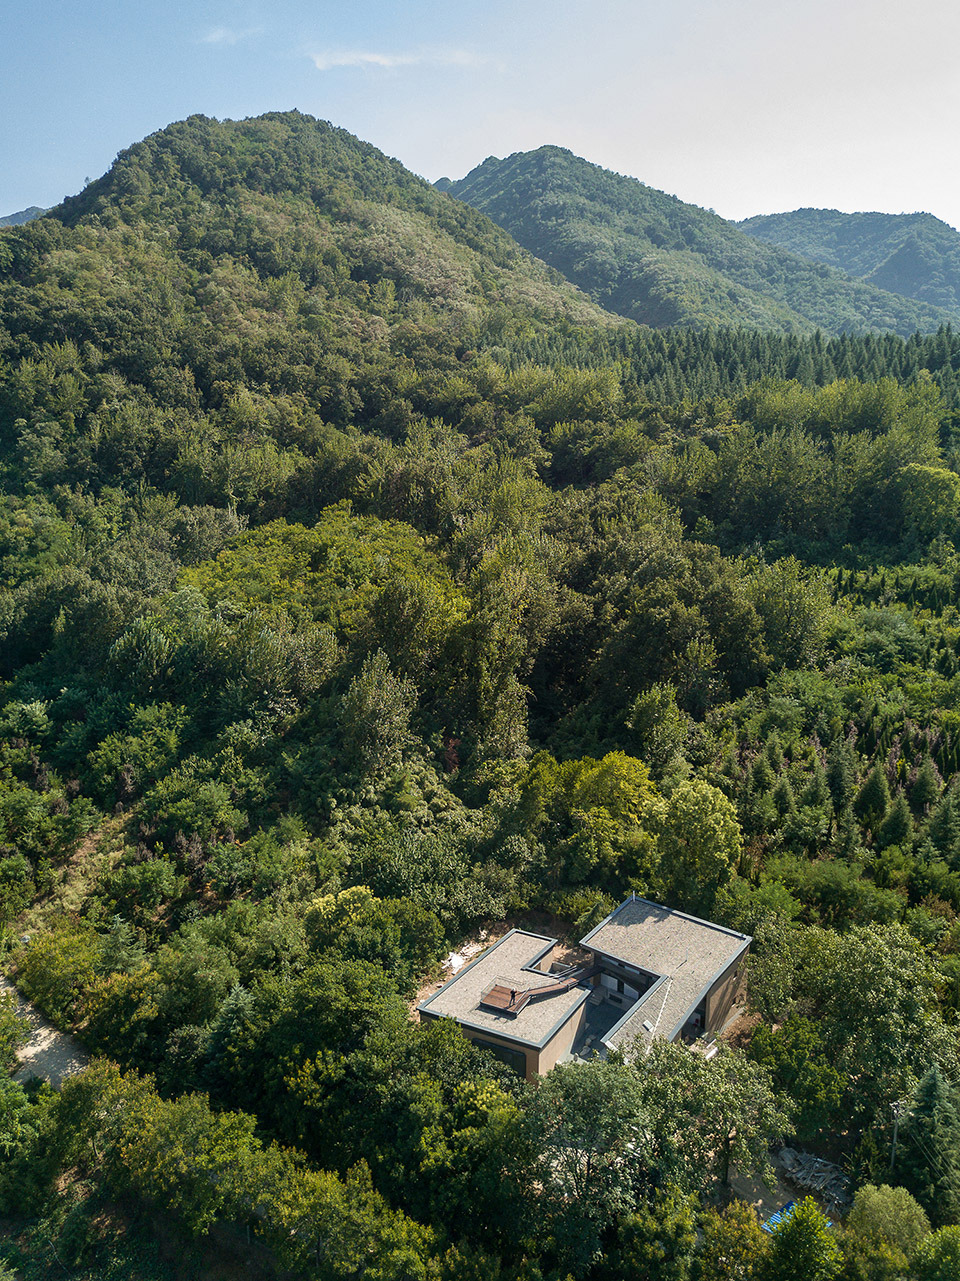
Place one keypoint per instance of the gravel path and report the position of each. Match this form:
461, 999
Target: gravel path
50, 1054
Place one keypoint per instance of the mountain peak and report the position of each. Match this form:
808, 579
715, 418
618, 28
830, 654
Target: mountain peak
22, 216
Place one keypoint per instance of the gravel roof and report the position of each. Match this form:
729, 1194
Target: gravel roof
536, 1023
688, 953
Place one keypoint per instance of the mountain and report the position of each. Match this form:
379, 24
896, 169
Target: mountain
24, 215
278, 257
651, 257
287, 193
915, 254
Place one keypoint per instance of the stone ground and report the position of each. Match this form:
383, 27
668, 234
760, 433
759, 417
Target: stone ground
50, 1054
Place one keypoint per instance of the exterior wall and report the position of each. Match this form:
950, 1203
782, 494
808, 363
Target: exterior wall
538, 1062
543, 965
721, 996
561, 1044
516, 1057
481, 1038
487, 1038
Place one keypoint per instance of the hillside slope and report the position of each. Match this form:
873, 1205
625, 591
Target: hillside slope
649, 256
279, 258
21, 216
914, 254
284, 192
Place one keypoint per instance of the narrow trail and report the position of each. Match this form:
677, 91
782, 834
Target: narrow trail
50, 1054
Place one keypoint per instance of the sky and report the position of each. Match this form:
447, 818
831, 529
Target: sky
743, 106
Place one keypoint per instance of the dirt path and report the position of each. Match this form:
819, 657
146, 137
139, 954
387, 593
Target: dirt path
765, 1201
50, 1054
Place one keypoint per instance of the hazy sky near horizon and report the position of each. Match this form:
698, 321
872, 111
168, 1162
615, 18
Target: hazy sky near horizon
745, 106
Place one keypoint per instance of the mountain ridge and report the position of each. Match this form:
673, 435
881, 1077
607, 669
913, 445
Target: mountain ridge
658, 260
22, 216
914, 254
338, 181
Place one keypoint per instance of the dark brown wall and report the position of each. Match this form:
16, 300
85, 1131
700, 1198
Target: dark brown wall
538, 1062
721, 996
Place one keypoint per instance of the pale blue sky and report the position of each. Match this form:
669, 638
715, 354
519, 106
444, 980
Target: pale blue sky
747, 106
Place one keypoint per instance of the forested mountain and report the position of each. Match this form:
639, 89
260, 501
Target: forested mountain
916, 254
365, 590
649, 256
24, 215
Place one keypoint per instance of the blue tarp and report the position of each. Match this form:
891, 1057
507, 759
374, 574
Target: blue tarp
781, 1216
769, 1225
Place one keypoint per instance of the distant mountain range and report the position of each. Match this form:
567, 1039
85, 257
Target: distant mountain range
24, 215
915, 255
635, 251
649, 256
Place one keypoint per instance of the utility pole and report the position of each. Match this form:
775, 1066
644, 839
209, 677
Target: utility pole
897, 1110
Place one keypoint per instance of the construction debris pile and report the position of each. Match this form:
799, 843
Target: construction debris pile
824, 1179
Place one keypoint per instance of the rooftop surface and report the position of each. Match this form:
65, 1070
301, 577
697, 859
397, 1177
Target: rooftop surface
689, 953
505, 963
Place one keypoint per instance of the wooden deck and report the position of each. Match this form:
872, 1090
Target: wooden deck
506, 999
511, 1000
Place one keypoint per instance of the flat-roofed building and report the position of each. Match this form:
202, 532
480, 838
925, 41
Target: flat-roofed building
647, 971
681, 973
508, 1001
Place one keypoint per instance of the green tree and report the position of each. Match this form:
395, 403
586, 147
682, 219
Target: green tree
660, 729
842, 774
705, 1114
56, 969
888, 1214
928, 1156
938, 1256
926, 788
931, 499
874, 991
794, 606
328, 1008
188, 1158
595, 817
804, 1248
374, 718
700, 843
897, 827
656, 1240
587, 1124
797, 1059
17, 1128
437, 1118
355, 925
14, 1031
873, 799
16, 884
733, 1246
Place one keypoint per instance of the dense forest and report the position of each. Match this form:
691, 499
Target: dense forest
649, 256
912, 254
364, 589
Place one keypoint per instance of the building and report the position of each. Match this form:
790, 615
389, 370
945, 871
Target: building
647, 971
